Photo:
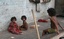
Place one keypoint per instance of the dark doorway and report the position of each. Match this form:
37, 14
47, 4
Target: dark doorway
59, 6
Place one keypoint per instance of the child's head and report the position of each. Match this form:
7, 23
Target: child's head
51, 12
13, 19
23, 17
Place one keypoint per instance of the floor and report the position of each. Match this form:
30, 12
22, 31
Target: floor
31, 33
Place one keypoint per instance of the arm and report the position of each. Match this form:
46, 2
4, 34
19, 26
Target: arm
17, 26
11, 24
25, 24
54, 18
55, 22
60, 26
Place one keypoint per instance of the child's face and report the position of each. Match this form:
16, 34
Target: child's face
23, 19
13, 20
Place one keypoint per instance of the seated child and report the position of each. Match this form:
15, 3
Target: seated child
25, 25
54, 22
13, 27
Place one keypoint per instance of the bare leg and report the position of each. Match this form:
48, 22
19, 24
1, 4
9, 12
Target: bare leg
43, 33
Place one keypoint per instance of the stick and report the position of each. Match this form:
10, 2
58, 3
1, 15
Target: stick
36, 25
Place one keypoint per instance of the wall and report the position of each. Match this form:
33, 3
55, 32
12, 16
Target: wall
10, 8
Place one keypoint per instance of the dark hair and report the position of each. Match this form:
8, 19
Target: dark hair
51, 12
13, 18
23, 17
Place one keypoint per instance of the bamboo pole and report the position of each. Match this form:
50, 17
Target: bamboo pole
37, 31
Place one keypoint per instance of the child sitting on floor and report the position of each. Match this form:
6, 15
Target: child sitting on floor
13, 27
54, 22
25, 25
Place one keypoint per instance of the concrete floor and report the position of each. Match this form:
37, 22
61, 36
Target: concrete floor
31, 33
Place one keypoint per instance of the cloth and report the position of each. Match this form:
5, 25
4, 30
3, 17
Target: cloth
13, 28
50, 30
42, 20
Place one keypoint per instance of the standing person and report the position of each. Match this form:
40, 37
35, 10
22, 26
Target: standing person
25, 25
54, 22
13, 27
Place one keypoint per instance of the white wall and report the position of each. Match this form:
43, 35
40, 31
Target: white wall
10, 8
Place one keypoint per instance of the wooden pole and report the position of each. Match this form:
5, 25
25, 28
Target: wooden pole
36, 25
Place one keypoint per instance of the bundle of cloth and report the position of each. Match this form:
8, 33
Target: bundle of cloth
42, 20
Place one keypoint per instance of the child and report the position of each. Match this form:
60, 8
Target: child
13, 27
54, 22
25, 25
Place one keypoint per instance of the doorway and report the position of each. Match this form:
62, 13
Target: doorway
59, 6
